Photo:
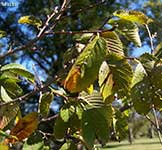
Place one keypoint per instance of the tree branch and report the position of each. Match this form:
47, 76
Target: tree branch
34, 92
20, 48
58, 16
41, 33
80, 32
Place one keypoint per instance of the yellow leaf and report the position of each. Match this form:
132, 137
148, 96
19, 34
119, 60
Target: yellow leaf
32, 20
86, 67
90, 89
134, 16
72, 80
6, 115
24, 128
3, 147
18, 116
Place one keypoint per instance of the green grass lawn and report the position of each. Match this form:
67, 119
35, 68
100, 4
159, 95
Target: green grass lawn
138, 144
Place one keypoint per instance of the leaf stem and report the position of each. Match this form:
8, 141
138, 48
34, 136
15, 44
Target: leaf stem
150, 37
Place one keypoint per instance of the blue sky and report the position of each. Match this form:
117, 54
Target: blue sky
28, 63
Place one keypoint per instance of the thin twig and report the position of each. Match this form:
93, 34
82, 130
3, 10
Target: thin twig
20, 48
126, 107
57, 92
157, 124
150, 36
79, 32
62, 10
24, 97
45, 134
40, 84
49, 17
153, 123
49, 118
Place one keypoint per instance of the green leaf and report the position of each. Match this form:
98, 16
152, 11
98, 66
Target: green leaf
139, 74
114, 43
146, 90
128, 29
134, 16
93, 100
36, 137
106, 81
31, 20
45, 103
12, 88
96, 122
2, 34
148, 61
121, 125
85, 37
4, 96
37, 146
158, 50
9, 75
6, 115
69, 145
70, 55
60, 128
19, 70
79, 111
85, 70
66, 112
69, 117
141, 96
156, 85
115, 76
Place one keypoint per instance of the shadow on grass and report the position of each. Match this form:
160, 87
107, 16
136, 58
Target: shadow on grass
127, 144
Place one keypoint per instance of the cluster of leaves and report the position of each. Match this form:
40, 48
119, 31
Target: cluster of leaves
10, 76
87, 113
115, 74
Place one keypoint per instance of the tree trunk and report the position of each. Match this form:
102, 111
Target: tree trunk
130, 135
151, 132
